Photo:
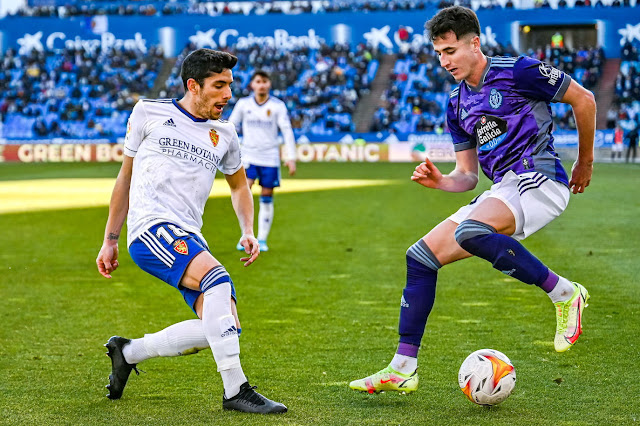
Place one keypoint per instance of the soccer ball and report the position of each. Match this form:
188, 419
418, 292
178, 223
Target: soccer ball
487, 377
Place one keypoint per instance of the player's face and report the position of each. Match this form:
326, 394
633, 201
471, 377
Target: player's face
261, 85
458, 56
214, 94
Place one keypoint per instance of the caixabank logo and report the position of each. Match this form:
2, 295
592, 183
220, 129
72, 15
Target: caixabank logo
490, 132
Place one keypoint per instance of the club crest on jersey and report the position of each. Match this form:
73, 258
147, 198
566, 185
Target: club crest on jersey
268, 113
181, 247
214, 137
495, 99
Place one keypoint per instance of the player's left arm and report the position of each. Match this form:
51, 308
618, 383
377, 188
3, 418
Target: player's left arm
584, 110
284, 123
242, 202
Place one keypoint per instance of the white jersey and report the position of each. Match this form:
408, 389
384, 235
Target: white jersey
260, 123
176, 156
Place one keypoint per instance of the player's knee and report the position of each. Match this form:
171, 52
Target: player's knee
226, 351
468, 230
420, 255
214, 277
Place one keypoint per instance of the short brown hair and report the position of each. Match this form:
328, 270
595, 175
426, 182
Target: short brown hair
260, 73
461, 20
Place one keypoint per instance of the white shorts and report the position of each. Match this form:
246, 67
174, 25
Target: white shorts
534, 199
617, 147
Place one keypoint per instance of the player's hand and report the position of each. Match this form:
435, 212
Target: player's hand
251, 247
427, 174
107, 259
291, 165
580, 176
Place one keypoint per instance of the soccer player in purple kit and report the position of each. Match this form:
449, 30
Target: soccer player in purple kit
499, 116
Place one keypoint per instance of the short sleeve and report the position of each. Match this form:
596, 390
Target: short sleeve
537, 80
232, 160
135, 130
461, 139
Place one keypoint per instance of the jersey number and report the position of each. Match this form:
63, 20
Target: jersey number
163, 233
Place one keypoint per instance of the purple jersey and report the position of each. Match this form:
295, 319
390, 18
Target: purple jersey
507, 117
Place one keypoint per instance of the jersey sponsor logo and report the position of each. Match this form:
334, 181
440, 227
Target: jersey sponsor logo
553, 74
181, 247
169, 123
495, 99
490, 131
213, 135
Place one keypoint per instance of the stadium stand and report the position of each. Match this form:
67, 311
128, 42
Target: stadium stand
419, 87
321, 87
65, 9
75, 94
626, 109
93, 94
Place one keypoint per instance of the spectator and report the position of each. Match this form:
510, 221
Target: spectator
632, 147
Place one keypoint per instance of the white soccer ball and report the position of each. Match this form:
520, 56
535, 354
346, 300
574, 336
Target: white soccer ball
487, 377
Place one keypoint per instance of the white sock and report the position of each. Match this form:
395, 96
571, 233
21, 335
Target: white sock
265, 218
217, 321
404, 364
183, 338
562, 291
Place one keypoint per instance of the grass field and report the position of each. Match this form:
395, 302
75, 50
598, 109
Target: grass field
321, 309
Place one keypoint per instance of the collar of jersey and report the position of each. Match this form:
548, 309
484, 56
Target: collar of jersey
484, 75
185, 112
262, 104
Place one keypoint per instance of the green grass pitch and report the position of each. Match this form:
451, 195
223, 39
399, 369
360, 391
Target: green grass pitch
321, 309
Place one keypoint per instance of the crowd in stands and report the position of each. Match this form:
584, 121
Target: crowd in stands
167, 8
417, 98
583, 64
81, 95
320, 87
73, 94
626, 108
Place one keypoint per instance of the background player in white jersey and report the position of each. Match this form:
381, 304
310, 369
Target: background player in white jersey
172, 151
500, 118
259, 117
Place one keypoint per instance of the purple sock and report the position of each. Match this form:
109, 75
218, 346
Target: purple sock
417, 301
407, 349
550, 283
505, 253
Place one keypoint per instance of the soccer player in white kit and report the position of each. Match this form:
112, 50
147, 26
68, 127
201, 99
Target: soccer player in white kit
259, 117
172, 151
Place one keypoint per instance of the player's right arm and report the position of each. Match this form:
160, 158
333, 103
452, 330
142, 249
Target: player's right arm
107, 259
463, 178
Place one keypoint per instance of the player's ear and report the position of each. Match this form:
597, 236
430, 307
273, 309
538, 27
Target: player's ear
193, 86
475, 42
